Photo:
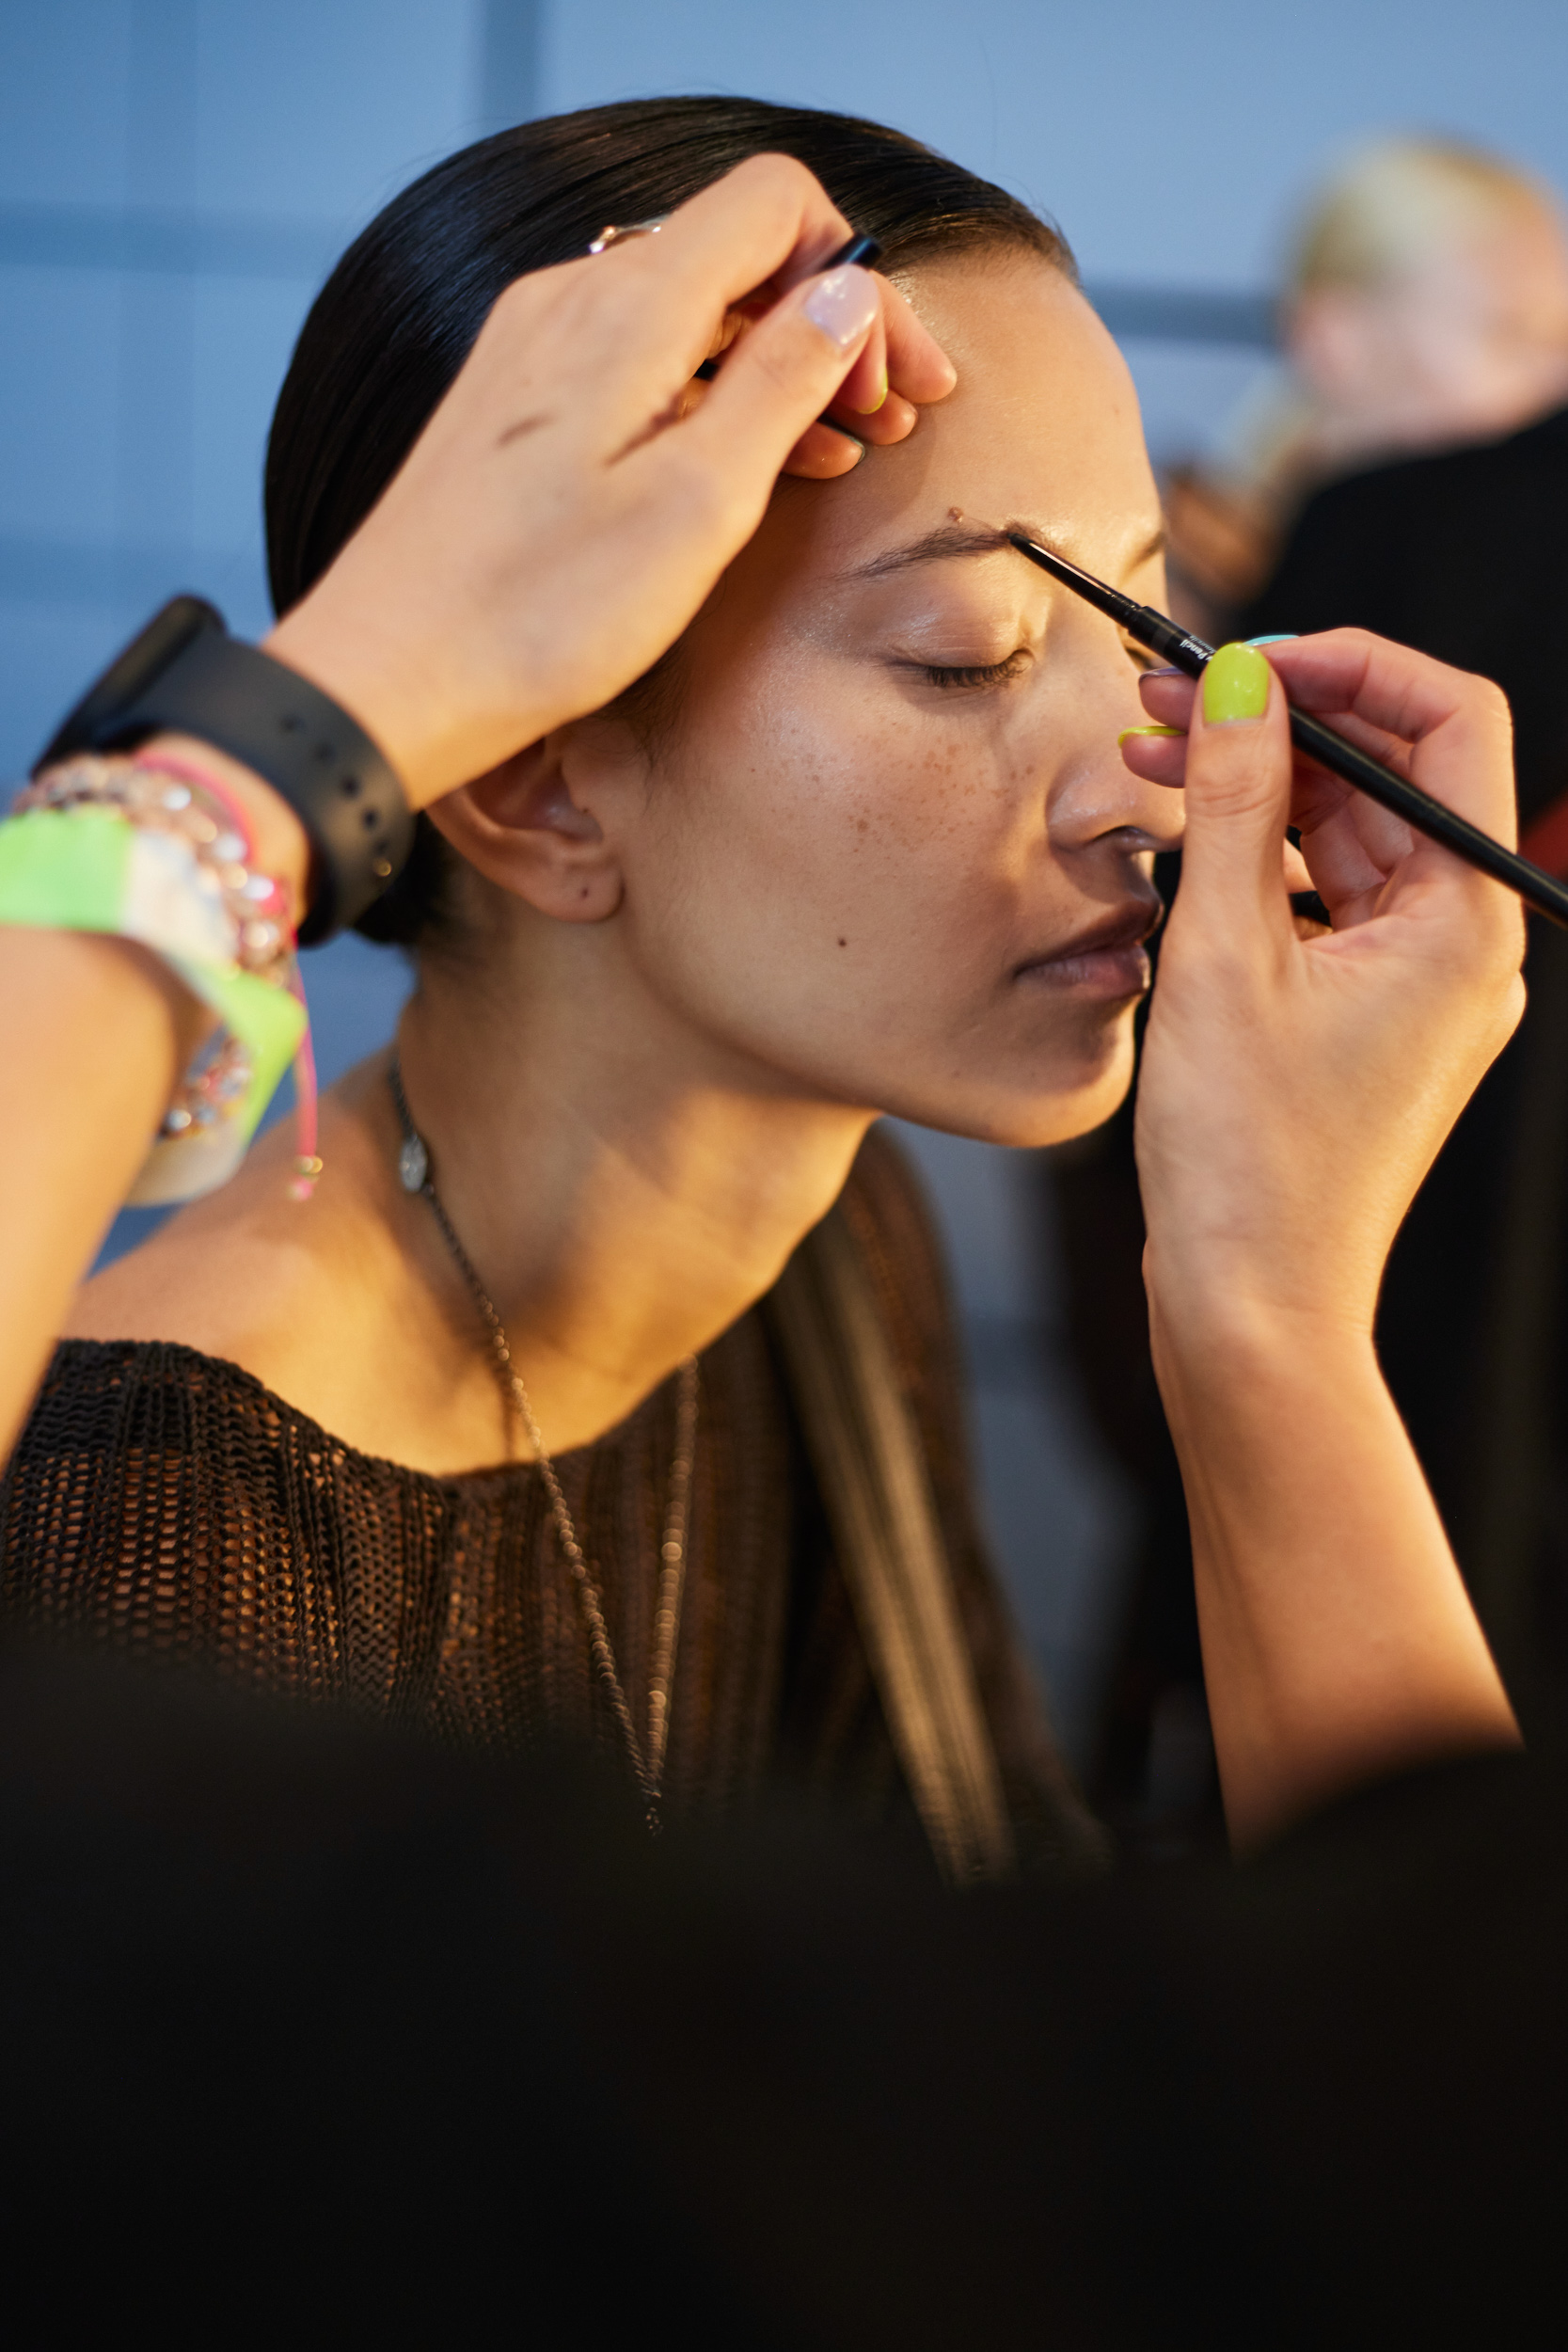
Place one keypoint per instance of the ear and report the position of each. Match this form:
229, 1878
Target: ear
523, 828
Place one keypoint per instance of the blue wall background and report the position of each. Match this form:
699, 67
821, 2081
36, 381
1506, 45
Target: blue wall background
177, 175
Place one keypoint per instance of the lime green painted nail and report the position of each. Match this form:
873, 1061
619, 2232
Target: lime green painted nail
1235, 686
1127, 733
872, 405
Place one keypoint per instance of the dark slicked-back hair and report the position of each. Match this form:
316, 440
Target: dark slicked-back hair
397, 316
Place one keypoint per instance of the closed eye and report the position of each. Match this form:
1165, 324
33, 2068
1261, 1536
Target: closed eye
976, 675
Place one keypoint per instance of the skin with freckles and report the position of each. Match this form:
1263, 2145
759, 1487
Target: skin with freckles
890, 852
865, 840
870, 845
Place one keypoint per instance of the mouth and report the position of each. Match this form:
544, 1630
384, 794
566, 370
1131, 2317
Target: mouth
1107, 962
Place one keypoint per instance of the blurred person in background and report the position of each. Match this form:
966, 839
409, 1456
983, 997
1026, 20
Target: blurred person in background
1426, 311
1426, 303
1460, 552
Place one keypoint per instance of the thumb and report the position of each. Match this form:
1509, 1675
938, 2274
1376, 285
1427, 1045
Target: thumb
780, 377
1238, 795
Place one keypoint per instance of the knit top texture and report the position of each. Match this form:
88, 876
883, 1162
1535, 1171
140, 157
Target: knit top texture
165, 1503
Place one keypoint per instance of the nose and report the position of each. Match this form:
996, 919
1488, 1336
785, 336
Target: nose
1095, 798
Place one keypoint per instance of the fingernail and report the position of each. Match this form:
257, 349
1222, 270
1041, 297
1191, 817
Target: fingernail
881, 401
1276, 637
843, 305
1127, 733
833, 426
1235, 686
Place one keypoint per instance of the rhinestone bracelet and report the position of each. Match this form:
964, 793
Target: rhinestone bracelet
199, 902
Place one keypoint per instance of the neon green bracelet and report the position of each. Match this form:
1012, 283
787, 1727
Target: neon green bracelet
85, 864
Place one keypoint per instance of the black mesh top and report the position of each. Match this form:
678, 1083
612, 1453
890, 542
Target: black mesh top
165, 1503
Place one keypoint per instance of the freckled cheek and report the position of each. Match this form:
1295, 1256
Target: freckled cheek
850, 805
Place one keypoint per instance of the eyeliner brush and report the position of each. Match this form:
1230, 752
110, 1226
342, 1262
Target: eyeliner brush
1183, 651
866, 253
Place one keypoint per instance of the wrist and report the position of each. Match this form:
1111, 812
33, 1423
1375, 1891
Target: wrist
378, 686
183, 675
283, 847
1240, 1351
437, 731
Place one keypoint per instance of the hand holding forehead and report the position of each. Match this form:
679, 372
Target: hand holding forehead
765, 228
725, 262
569, 450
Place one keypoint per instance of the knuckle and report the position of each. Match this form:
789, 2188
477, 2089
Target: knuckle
1233, 779
779, 367
782, 177
517, 296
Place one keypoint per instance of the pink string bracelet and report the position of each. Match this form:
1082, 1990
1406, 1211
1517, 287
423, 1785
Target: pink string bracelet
184, 772
274, 908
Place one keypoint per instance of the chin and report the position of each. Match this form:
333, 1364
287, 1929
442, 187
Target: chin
1026, 1116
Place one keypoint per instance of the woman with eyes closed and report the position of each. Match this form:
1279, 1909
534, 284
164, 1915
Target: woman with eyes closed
861, 840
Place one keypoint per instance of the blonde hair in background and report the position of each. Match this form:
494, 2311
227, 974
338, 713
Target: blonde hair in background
1392, 206
1397, 222
1398, 203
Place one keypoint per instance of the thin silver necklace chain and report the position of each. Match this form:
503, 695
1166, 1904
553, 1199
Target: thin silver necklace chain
648, 1762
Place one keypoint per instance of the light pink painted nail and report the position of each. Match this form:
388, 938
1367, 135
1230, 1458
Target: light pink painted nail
843, 305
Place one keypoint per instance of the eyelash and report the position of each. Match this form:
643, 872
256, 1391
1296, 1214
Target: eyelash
979, 676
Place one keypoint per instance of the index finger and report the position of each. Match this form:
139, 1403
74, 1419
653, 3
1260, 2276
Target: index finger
769, 223
1448, 731
914, 364
1443, 728
767, 219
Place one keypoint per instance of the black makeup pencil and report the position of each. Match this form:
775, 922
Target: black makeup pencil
1177, 645
864, 252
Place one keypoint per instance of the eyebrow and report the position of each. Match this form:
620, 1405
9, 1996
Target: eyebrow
951, 540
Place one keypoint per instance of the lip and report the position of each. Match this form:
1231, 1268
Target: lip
1107, 960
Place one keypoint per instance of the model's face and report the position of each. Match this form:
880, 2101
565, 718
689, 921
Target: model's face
889, 854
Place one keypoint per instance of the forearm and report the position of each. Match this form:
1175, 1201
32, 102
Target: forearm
1337, 1639
97, 1032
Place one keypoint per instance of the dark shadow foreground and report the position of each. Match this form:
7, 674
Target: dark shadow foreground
314, 2036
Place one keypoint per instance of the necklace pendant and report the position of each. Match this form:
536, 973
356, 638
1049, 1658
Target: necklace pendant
413, 1164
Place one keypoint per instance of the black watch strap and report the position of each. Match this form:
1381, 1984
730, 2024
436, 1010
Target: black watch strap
185, 674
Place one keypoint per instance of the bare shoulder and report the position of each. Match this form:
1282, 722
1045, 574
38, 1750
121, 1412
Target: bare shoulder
329, 1302
255, 1277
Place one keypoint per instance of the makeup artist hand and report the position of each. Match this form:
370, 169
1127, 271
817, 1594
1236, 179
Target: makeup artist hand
574, 499
559, 521
1295, 1091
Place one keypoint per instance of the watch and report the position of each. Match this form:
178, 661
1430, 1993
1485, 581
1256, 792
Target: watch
185, 674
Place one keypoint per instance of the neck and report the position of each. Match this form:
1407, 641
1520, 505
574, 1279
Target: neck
623, 1190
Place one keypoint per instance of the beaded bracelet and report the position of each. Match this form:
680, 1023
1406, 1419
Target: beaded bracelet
153, 849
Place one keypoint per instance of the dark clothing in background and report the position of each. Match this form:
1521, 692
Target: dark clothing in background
167, 1505
1462, 555
313, 2037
